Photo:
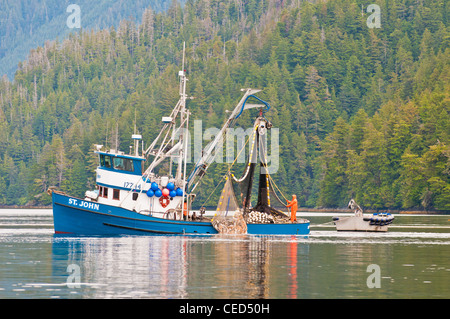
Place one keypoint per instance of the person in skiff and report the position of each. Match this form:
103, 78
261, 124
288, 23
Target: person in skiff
293, 205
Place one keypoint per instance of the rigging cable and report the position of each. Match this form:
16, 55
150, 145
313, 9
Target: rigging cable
191, 175
249, 158
230, 166
271, 179
224, 178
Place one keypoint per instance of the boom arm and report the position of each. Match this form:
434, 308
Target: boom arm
208, 156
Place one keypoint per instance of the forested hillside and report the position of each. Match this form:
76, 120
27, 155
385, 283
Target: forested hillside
362, 112
26, 24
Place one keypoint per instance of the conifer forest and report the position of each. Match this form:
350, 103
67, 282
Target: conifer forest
363, 112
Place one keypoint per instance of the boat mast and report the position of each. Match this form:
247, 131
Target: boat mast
167, 148
184, 116
183, 113
169, 132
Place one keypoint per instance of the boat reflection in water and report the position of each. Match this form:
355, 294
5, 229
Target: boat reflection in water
219, 266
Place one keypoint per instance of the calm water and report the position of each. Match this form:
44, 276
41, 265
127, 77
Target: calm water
413, 260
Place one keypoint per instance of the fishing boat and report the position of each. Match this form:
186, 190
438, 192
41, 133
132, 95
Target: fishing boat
377, 222
130, 199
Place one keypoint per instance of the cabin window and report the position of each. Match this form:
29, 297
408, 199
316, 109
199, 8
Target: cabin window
118, 163
103, 191
116, 194
135, 196
123, 164
128, 165
105, 161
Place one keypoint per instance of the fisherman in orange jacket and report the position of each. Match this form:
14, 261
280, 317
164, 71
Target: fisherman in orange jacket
293, 205
185, 210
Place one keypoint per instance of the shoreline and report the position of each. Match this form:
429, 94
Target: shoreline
392, 211
300, 210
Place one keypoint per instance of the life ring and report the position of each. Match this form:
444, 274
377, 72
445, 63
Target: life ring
164, 201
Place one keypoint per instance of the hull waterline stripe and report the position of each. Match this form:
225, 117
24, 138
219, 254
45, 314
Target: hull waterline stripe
144, 230
164, 221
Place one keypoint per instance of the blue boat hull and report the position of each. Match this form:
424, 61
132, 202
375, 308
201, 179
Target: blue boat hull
76, 216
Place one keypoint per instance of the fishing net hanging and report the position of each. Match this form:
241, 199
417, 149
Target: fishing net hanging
228, 218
